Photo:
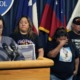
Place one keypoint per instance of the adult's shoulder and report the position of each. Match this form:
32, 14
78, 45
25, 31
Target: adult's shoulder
52, 43
35, 35
7, 39
14, 34
70, 32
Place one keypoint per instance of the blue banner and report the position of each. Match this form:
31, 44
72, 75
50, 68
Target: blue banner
5, 6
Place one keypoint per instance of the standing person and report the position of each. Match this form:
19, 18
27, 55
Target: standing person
65, 56
5, 53
74, 35
23, 34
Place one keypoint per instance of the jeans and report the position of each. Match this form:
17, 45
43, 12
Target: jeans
53, 77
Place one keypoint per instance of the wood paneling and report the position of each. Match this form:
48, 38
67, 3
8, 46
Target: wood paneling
26, 74
26, 70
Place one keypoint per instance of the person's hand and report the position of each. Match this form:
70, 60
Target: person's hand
40, 58
63, 42
75, 73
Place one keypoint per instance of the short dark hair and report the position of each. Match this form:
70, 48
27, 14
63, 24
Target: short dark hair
76, 20
60, 32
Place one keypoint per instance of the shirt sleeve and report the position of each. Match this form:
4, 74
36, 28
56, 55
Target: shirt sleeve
51, 45
38, 42
76, 51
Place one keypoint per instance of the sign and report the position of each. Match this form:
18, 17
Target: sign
28, 51
5, 6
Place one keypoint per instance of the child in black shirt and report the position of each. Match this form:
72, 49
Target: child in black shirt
65, 56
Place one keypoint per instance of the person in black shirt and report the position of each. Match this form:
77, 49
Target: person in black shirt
65, 56
24, 35
74, 35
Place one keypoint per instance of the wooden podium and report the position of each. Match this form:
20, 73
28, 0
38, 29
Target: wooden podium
26, 70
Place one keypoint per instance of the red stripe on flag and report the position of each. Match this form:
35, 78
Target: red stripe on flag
46, 18
56, 23
50, 22
35, 31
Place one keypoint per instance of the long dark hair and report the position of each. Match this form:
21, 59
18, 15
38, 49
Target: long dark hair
30, 31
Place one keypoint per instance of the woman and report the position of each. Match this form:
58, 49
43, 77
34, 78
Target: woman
64, 54
6, 53
24, 35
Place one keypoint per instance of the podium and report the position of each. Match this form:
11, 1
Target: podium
26, 70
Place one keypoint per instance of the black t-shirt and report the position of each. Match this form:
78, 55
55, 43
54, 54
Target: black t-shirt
64, 62
19, 38
76, 40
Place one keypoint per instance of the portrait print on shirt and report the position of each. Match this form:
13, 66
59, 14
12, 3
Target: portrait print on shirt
65, 54
27, 48
25, 42
77, 43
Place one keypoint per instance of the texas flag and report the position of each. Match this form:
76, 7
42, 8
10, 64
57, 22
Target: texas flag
76, 13
28, 8
53, 17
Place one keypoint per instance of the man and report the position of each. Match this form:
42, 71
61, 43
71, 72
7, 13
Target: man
74, 35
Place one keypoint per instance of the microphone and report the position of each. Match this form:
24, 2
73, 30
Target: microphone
14, 48
8, 51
